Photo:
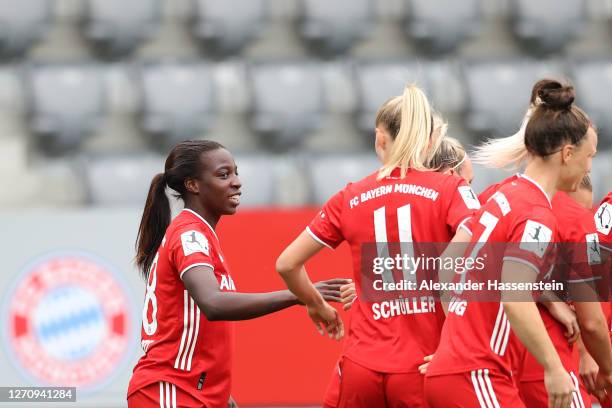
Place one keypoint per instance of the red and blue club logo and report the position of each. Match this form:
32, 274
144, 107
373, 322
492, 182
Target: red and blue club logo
68, 321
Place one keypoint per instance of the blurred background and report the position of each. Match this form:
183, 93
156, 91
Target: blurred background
93, 93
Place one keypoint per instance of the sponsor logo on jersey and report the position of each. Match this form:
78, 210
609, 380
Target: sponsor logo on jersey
469, 198
227, 283
194, 241
603, 218
67, 322
536, 238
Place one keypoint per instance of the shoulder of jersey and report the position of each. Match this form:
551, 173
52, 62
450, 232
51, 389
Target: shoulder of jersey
566, 207
493, 188
185, 222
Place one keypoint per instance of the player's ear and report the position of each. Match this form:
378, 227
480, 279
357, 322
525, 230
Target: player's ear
191, 185
567, 151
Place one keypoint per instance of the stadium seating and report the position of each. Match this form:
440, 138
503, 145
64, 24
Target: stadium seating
22, 23
547, 25
258, 174
593, 80
288, 100
66, 103
498, 93
439, 26
120, 180
330, 173
177, 100
375, 82
226, 26
332, 27
116, 27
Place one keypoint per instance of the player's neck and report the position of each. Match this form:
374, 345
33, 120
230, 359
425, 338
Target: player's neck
541, 173
198, 208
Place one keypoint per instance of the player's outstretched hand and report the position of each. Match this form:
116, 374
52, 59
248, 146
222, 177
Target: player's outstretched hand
326, 320
348, 294
331, 289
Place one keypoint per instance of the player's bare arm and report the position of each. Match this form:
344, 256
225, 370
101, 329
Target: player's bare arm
563, 313
203, 286
527, 323
290, 266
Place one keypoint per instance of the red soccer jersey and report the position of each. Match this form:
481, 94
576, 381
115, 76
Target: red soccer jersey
424, 207
581, 259
181, 346
603, 223
477, 334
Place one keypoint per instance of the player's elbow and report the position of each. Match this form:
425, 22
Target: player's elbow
284, 265
211, 310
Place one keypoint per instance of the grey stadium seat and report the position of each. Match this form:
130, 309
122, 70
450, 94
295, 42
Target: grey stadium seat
258, 174
116, 27
22, 23
334, 26
121, 180
330, 173
547, 25
178, 100
601, 173
288, 100
441, 25
376, 82
65, 103
226, 26
593, 81
498, 93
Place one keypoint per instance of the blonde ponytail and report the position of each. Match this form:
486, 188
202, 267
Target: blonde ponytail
508, 153
412, 144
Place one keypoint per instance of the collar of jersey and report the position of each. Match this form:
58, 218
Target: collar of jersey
201, 219
535, 183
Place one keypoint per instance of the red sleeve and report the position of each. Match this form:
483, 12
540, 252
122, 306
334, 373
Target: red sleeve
325, 227
462, 205
581, 250
531, 241
190, 247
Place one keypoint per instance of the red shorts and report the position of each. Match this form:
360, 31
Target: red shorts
354, 386
476, 389
534, 394
162, 394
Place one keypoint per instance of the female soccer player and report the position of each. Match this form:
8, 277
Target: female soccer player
188, 356
580, 266
589, 368
403, 203
472, 367
450, 158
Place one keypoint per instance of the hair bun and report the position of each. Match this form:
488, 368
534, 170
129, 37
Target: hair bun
557, 98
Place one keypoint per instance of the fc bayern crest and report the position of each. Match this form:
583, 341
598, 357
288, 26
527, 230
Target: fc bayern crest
68, 322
